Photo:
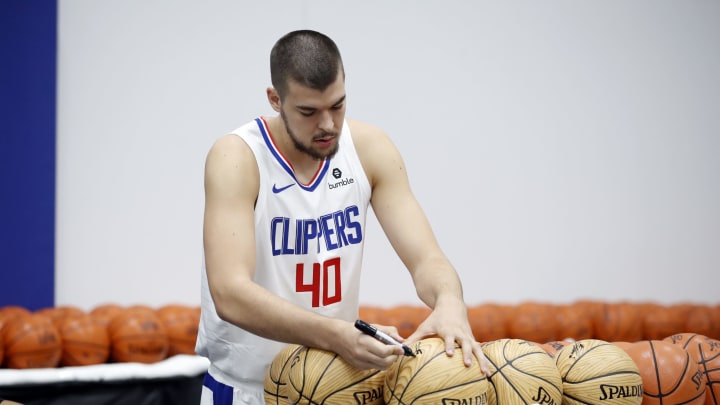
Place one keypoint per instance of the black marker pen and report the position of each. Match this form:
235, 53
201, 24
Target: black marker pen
370, 330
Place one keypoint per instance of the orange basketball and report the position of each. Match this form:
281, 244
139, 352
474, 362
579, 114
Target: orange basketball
660, 321
11, 312
532, 321
622, 345
699, 319
181, 323
709, 350
573, 323
554, 346
689, 342
85, 341
715, 316
106, 312
706, 352
487, 322
140, 308
138, 335
372, 314
406, 318
7, 314
619, 321
59, 313
682, 309
669, 373
593, 309
31, 341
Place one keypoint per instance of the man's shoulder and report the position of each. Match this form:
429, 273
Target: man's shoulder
363, 128
229, 148
231, 163
230, 141
365, 134
250, 127
237, 138
374, 148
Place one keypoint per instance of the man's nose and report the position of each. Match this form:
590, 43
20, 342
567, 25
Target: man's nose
326, 122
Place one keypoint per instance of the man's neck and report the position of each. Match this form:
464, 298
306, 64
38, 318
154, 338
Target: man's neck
303, 165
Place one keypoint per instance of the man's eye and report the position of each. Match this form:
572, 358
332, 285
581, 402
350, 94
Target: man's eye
307, 113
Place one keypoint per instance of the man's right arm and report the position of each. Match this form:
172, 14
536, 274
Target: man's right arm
231, 188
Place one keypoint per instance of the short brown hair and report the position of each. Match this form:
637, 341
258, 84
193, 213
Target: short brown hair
307, 57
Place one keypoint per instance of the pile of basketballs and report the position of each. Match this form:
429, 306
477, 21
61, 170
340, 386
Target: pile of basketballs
585, 352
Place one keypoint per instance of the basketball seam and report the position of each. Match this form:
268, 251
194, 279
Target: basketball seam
392, 390
277, 382
417, 371
327, 367
572, 365
509, 363
680, 380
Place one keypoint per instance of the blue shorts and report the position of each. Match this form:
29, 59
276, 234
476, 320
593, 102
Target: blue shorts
222, 394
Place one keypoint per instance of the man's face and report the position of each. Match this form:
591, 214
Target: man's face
314, 118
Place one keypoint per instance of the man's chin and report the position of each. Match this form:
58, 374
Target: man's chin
325, 153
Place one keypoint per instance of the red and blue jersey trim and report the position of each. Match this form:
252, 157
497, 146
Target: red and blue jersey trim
285, 164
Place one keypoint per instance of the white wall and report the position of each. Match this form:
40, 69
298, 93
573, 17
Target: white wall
563, 150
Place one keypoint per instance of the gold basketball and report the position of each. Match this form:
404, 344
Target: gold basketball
522, 372
597, 372
321, 377
276, 378
432, 377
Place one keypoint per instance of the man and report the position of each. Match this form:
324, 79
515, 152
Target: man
286, 199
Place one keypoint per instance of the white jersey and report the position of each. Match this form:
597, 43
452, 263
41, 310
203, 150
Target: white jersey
309, 247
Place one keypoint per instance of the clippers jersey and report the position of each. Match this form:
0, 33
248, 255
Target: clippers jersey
309, 247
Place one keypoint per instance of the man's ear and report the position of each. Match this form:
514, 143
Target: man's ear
273, 98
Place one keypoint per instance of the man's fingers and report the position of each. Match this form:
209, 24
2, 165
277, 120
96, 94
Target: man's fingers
450, 345
374, 361
468, 349
484, 363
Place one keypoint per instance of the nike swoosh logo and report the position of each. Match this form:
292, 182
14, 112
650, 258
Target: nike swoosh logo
280, 189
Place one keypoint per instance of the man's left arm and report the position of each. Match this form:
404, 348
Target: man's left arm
409, 232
